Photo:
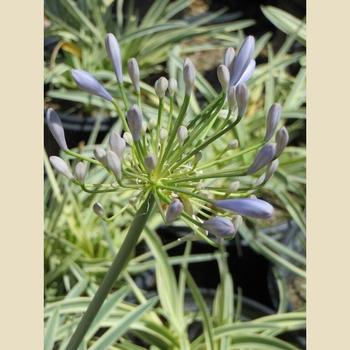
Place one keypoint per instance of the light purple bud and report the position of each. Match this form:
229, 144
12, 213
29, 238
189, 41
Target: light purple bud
282, 138
88, 83
229, 57
273, 117
135, 119
113, 51
253, 207
134, 73
98, 209
61, 166
150, 161
174, 210
182, 134
172, 86
247, 74
242, 99
271, 169
55, 125
220, 227
117, 144
262, 158
231, 97
114, 164
223, 76
80, 171
161, 86
100, 155
242, 59
189, 75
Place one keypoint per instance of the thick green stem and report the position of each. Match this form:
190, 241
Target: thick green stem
113, 273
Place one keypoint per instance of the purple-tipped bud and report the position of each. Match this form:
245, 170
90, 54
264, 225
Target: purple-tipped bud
282, 138
117, 144
113, 163
174, 210
80, 171
262, 158
150, 162
100, 155
189, 75
56, 128
113, 51
182, 134
273, 117
223, 76
160, 86
134, 73
231, 98
255, 208
98, 209
242, 99
172, 86
220, 227
135, 119
61, 166
242, 60
88, 83
229, 57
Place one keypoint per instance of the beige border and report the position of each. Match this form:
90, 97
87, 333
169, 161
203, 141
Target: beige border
21, 198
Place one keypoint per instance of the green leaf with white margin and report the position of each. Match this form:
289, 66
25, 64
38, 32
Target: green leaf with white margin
50, 330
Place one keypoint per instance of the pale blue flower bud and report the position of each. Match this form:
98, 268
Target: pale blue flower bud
242, 99
174, 210
247, 73
252, 207
273, 117
242, 60
223, 76
113, 51
262, 158
189, 75
56, 128
172, 86
80, 171
282, 138
117, 144
182, 134
88, 83
220, 227
229, 57
61, 166
113, 163
161, 86
135, 119
100, 155
150, 162
134, 73
98, 209
231, 98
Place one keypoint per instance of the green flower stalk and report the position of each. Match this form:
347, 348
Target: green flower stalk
177, 163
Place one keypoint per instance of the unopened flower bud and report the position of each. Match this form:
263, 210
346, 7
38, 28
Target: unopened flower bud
220, 227
242, 98
172, 86
117, 144
150, 161
182, 134
134, 73
152, 123
55, 125
80, 171
273, 117
233, 144
61, 166
160, 87
271, 169
223, 76
234, 186
128, 138
88, 83
113, 51
282, 138
174, 210
231, 98
98, 209
252, 207
237, 221
134, 117
113, 163
163, 134
262, 158
100, 155
189, 75
229, 57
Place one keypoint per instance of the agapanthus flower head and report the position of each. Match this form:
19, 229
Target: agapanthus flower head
89, 83
273, 117
219, 226
55, 125
262, 158
113, 51
135, 119
61, 166
134, 73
